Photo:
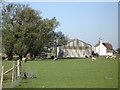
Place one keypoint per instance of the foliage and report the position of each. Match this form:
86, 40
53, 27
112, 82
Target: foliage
60, 39
24, 30
118, 50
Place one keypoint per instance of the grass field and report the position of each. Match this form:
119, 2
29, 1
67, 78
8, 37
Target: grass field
69, 73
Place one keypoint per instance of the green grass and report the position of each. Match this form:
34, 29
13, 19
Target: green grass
70, 73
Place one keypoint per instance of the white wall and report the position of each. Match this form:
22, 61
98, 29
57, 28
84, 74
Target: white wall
102, 50
76, 52
97, 49
110, 54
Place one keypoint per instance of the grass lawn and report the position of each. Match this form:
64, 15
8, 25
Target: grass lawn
69, 73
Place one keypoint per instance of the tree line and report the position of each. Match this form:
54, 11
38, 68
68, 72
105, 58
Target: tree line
25, 31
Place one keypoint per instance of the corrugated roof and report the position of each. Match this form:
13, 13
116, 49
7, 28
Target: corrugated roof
78, 40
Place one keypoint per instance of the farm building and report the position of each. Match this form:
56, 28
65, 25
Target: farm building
74, 48
103, 49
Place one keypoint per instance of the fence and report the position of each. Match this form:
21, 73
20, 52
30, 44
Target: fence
16, 73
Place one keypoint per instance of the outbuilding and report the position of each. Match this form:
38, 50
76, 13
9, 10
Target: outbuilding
75, 48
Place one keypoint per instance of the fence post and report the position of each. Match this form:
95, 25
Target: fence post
1, 83
15, 71
13, 74
19, 68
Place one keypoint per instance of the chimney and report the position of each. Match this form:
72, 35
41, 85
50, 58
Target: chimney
100, 41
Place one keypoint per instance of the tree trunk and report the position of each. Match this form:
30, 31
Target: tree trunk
27, 52
20, 56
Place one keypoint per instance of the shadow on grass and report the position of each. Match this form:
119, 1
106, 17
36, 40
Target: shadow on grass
49, 59
63, 59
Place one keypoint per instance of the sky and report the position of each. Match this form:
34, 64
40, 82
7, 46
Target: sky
87, 21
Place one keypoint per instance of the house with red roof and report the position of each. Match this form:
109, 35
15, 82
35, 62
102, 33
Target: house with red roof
103, 49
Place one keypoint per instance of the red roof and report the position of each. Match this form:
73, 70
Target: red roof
107, 45
97, 45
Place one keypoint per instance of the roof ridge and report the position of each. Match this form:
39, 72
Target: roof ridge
78, 40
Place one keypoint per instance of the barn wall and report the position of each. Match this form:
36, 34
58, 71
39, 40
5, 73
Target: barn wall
76, 49
74, 53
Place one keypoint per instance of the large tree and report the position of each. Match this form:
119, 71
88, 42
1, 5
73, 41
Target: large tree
45, 35
59, 39
24, 30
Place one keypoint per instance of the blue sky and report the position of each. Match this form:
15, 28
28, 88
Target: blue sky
87, 21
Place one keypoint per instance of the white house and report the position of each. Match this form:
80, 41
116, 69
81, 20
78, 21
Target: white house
75, 48
103, 49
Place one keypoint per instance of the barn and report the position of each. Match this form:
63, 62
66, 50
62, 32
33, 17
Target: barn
75, 48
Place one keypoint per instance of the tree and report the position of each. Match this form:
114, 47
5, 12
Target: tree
8, 42
44, 35
14, 28
59, 39
118, 50
27, 30
24, 30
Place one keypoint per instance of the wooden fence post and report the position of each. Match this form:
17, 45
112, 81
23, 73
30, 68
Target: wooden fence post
15, 71
13, 74
1, 83
19, 68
